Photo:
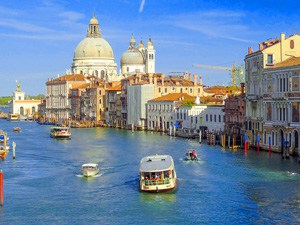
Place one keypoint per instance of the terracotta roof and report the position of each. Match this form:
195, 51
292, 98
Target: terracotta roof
172, 97
294, 61
115, 88
70, 77
80, 86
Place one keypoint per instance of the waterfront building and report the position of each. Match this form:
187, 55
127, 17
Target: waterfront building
21, 106
201, 117
157, 85
57, 95
235, 109
113, 101
75, 100
94, 55
161, 111
270, 52
138, 57
281, 102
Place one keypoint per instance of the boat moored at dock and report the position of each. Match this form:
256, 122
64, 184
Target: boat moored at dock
60, 132
4, 148
157, 173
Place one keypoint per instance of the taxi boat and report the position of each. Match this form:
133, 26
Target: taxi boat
191, 155
90, 169
157, 173
60, 132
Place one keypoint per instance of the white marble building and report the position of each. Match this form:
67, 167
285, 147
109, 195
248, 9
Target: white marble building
94, 55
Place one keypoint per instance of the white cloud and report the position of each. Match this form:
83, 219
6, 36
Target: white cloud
142, 6
215, 23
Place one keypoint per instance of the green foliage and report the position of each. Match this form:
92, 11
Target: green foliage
4, 100
188, 102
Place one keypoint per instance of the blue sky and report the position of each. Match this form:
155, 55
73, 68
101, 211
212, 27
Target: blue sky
38, 37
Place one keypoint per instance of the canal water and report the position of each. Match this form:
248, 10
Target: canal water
43, 184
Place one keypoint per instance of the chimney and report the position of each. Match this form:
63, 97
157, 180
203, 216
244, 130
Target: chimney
200, 83
243, 88
138, 76
282, 37
150, 78
195, 79
162, 80
260, 47
250, 51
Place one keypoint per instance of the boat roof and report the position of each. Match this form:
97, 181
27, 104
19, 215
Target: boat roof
90, 164
60, 128
155, 163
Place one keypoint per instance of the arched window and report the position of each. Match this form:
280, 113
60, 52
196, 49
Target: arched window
21, 110
102, 74
33, 110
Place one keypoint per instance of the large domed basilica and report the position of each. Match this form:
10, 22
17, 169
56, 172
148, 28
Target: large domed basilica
94, 55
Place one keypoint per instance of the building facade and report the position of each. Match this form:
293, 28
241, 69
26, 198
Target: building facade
270, 53
281, 102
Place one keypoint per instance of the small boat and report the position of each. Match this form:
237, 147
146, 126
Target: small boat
90, 169
4, 148
17, 129
191, 155
60, 132
187, 133
13, 117
157, 173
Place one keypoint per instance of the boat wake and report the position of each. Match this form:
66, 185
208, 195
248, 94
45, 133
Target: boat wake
82, 176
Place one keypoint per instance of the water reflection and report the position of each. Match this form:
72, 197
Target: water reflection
158, 198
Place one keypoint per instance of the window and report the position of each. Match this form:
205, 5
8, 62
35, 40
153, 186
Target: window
166, 90
292, 44
158, 90
210, 118
206, 117
295, 112
220, 118
215, 118
269, 59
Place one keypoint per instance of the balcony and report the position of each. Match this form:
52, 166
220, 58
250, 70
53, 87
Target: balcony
280, 95
252, 97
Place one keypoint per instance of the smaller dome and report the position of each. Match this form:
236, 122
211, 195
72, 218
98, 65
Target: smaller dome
150, 43
132, 57
94, 21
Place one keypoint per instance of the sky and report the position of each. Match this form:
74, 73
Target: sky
38, 37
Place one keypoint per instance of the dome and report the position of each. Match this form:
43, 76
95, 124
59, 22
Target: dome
94, 48
132, 57
94, 21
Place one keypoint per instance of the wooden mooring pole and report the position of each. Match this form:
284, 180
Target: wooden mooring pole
1, 188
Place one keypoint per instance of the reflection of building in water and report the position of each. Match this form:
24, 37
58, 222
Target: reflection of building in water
21, 106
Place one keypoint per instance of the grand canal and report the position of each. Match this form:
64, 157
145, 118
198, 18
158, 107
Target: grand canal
42, 185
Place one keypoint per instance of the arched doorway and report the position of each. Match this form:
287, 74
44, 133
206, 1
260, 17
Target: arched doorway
296, 142
21, 110
281, 136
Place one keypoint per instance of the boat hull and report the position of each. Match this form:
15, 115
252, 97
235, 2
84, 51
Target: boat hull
90, 173
158, 188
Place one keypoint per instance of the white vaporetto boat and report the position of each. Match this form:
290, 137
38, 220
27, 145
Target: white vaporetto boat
60, 132
157, 173
90, 169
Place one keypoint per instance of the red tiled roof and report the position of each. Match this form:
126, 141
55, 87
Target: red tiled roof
115, 88
172, 97
294, 61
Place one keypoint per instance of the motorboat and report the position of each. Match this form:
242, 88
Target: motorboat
60, 132
90, 169
17, 129
157, 173
4, 148
13, 117
187, 133
191, 155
